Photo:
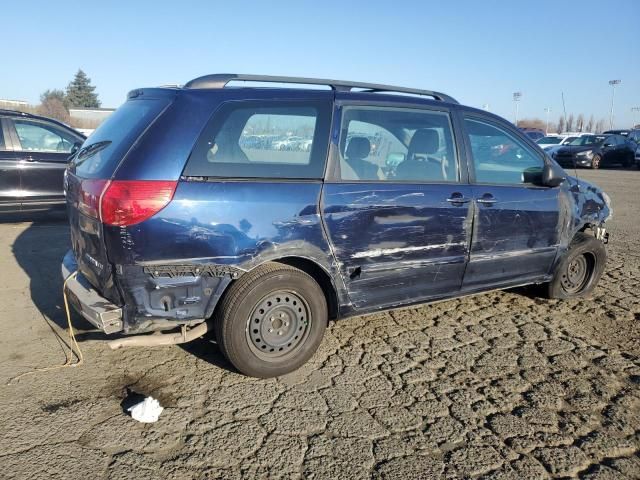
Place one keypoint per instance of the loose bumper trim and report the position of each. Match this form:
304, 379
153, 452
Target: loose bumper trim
88, 302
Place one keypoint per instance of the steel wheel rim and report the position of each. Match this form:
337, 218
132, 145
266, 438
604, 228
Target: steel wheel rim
596, 161
279, 325
576, 275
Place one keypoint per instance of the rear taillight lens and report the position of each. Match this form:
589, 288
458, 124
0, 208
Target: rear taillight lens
127, 202
89, 197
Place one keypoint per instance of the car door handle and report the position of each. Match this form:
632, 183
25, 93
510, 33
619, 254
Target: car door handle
487, 199
458, 198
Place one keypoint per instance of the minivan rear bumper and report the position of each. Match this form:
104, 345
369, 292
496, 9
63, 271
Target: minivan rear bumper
87, 301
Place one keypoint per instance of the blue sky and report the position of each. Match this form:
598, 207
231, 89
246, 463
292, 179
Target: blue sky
480, 52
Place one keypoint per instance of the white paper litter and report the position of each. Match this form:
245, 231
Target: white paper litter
147, 411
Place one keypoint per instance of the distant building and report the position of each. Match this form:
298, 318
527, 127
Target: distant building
13, 103
90, 114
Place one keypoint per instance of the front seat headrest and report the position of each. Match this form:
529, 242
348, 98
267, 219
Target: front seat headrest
424, 141
359, 147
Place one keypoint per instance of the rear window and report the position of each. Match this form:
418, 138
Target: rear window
263, 139
101, 153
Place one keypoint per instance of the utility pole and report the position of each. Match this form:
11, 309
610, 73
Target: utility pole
634, 111
516, 99
613, 84
548, 111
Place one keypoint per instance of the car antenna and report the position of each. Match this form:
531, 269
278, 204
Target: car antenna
575, 168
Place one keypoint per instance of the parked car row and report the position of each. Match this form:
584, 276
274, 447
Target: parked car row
614, 147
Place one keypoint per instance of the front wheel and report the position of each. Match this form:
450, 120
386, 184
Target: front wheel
595, 161
271, 321
581, 268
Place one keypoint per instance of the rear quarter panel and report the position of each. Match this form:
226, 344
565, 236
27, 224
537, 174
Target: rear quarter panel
238, 223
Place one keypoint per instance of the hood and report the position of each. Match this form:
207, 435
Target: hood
566, 149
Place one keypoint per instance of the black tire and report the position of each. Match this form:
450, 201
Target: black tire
579, 271
596, 161
271, 320
628, 161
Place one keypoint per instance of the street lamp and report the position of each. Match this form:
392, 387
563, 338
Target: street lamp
516, 99
548, 111
635, 110
613, 84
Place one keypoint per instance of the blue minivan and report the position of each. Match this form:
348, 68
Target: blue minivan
260, 212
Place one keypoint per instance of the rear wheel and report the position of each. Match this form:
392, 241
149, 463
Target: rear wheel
595, 161
271, 321
628, 160
581, 268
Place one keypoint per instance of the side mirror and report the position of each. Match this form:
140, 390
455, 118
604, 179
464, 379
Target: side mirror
552, 175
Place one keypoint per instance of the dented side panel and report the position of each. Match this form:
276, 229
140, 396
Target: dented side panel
177, 264
397, 243
515, 238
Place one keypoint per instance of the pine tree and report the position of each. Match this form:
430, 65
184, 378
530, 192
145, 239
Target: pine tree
80, 92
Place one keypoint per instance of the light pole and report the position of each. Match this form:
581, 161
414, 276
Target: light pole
548, 111
516, 99
613, 84
634, 111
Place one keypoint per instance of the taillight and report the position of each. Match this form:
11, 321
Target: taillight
127, 202
89, 196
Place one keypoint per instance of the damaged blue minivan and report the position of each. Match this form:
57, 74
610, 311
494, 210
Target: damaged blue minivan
259, 211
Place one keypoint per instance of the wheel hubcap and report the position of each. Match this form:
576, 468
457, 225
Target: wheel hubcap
279, 324
576, 275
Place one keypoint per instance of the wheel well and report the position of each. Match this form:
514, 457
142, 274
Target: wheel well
320, 276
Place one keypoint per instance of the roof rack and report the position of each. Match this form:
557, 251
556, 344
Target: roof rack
220, 80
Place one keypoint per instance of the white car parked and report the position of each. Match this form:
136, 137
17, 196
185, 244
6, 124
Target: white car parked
552, 143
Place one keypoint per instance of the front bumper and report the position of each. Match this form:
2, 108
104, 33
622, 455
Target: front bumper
99, 311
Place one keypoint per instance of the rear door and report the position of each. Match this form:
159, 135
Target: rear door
89, 172
10, 190
42, 151
395, 205
516, 221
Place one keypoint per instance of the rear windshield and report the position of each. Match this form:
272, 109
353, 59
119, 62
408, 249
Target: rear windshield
102, 151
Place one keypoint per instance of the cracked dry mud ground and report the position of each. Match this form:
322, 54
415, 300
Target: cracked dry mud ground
500, 385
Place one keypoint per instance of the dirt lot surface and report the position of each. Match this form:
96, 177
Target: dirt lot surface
501, 385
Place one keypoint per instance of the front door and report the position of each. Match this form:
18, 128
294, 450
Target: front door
516, 221
395, 210
43, 154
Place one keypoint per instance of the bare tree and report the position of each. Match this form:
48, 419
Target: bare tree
570, 123
600, 125
580, 123
54, 107
590, 124
532, 123
561, 124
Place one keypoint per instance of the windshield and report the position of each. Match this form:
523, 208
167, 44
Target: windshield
549, 140
588, 140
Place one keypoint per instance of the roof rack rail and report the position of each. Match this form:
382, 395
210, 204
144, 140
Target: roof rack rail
220, 80
15, 112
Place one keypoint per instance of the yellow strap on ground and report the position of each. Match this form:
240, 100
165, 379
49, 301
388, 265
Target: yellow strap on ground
73, 343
